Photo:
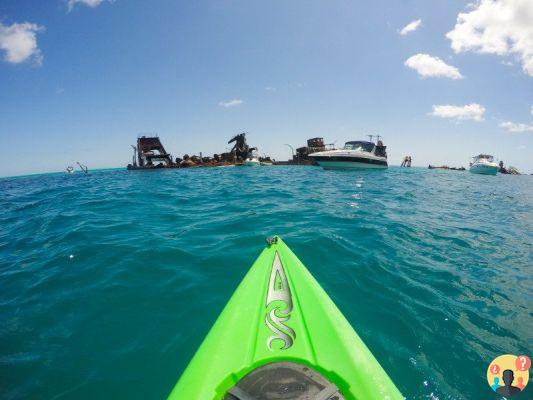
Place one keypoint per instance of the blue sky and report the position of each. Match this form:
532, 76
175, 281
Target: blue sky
80, 80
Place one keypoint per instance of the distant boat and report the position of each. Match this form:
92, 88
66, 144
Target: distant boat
483, 164
355, 154
70, 169
252, 161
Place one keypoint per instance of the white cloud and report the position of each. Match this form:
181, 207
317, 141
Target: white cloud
501, 27
270, 89
231, 103
429, 66
411, 27
19, 42
472, 111
89, 3
516, 127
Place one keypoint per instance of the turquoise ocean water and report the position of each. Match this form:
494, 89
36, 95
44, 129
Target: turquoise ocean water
109, 281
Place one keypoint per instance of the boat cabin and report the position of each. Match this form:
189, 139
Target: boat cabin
368, 147
359, 146
487, 157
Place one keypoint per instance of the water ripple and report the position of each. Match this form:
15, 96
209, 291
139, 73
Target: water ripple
110, 280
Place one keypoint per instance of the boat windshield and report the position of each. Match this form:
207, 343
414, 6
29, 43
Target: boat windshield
359, 146
484, 156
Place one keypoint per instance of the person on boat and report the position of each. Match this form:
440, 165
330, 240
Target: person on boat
508, 389
502, 169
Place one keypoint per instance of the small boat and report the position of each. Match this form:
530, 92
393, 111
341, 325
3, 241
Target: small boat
354, 154
252, 161
280, 336
70, 169
483, 164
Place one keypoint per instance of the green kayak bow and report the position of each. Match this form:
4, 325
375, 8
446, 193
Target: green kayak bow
281, 337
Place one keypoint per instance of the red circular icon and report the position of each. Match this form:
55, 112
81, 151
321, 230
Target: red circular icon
523, 363
495, 369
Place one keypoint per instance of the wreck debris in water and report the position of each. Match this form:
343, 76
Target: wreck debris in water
241, 150
149, 153
301, 157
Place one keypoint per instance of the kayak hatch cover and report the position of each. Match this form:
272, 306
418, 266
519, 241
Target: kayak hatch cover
281, 337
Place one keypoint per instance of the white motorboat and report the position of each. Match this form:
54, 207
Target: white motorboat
252, 161
483, 164
355, 154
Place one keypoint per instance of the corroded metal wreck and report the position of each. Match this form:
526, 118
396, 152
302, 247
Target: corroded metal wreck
149, 154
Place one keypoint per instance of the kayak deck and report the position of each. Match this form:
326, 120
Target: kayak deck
284, 380
280, 319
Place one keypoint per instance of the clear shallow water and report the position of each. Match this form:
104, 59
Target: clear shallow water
107, 290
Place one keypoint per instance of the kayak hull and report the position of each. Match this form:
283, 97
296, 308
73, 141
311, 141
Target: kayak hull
279, 313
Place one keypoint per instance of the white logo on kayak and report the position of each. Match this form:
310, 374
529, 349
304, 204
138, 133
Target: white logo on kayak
279, 295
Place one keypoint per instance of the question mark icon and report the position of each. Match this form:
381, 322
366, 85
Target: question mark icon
495, 369
522, 363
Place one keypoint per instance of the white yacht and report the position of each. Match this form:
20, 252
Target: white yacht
355, 154
483, 164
